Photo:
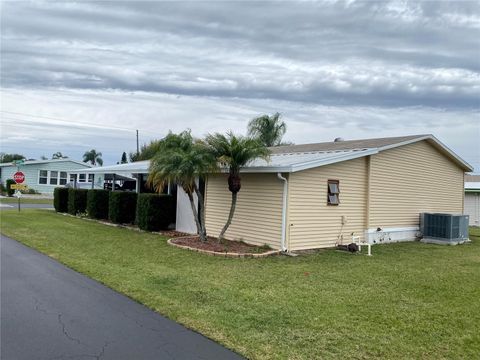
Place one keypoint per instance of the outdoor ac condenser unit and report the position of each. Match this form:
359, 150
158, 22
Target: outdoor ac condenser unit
444, 228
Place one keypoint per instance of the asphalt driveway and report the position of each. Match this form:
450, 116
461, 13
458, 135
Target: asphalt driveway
49, 311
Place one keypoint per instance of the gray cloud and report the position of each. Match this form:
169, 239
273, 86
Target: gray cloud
351, 69
362, 53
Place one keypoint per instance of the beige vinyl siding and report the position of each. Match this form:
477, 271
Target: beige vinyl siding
313, 223
258, 215
411, 179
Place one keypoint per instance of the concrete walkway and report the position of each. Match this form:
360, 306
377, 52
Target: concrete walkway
49, 311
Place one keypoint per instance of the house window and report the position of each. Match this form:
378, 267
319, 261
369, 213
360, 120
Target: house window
82, 177
90, 177
63, 177
43, 177
53, 177
73, 177
333, 192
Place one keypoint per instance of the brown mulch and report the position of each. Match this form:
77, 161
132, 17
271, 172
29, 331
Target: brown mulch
173, 233
225, 246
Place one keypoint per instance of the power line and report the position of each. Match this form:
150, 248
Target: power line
74, 123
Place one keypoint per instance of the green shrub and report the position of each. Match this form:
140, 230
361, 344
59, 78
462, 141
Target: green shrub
3, 189
155, 212
10, 191
30, 191
77, 201
122, 207
97, 204
60, 199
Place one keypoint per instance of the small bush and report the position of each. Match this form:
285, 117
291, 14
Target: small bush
77, 201
155, 212
3, 189
30, 192
97, 204
60, 199
10, 191
122, 207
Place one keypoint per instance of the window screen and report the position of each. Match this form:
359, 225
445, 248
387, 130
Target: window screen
53, 177
42, 176
63, 177
333, 197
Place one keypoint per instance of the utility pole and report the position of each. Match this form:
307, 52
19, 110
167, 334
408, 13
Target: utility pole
138, 150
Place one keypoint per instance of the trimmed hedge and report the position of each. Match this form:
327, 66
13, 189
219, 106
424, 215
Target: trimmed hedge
60, 199
77, 201
10, 191
155, 212
122, 206
97, 204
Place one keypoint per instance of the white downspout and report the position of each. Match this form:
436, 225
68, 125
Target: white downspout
284, 212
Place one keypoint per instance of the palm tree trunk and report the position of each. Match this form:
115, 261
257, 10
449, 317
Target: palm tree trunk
195, 216
230, 216
201, 205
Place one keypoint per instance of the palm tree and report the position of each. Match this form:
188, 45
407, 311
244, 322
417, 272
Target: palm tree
181, 160
58, 155
269, 130
93, 156
234, 152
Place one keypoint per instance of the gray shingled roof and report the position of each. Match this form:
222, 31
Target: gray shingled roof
344, 145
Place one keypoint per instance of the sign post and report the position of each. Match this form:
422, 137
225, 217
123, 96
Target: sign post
19, 178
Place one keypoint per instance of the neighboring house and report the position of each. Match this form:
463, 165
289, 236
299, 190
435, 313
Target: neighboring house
317, 195
44, 175
472, 199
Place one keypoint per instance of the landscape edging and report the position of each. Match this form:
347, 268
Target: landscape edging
222, 254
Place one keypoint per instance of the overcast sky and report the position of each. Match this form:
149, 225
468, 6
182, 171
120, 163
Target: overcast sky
84, 75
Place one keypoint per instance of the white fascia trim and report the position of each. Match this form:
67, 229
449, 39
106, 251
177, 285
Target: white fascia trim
343, 157
465, 165
311, 164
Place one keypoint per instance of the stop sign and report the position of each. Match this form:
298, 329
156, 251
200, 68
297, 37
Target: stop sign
19, 177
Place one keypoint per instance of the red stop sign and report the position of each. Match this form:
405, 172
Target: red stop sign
19, 177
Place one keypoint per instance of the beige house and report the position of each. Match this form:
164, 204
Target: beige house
319, 195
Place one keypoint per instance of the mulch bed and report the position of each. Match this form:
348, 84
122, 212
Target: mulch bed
225, 246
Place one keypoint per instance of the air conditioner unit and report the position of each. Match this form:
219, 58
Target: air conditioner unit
449, 229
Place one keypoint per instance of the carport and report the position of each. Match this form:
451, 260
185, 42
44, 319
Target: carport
138, 171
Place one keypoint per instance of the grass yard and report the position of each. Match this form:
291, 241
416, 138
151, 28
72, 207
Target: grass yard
13, 200
409, 301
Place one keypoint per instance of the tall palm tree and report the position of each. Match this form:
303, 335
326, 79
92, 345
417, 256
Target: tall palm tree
234, 152
269, 130
93, 156
181, 160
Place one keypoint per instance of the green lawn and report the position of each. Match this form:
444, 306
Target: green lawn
13, 200
410, 300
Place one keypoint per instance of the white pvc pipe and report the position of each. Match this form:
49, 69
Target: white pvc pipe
284, 211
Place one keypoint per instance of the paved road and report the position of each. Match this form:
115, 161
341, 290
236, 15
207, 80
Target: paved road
49, 311
11, 206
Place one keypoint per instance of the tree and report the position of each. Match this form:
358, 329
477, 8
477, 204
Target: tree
269, 130
234, 152
7, 158
93, 156
58, 155
181, 161
124, 158
147, 152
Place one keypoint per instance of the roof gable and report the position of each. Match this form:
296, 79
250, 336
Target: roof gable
34, 162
